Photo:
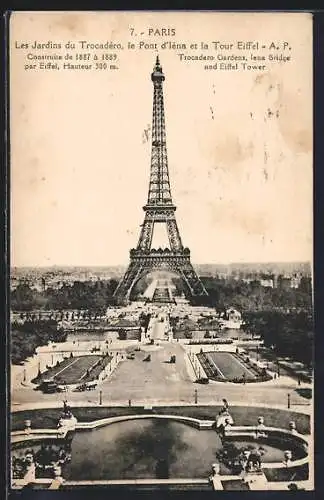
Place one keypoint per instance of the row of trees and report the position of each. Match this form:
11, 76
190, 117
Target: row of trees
223, 293
287, 334
26, 337
254, 297
89, 295
96, 296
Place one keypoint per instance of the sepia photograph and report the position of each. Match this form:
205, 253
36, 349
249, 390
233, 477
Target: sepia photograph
161, 251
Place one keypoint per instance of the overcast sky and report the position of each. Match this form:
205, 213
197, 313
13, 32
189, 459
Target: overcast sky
241, 178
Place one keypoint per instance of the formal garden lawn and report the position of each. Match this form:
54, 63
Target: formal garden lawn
229, 366
73, 369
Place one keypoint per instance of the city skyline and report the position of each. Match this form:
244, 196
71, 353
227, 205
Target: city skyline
243, 263
288, 267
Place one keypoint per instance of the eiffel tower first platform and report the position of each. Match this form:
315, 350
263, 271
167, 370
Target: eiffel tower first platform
159, 209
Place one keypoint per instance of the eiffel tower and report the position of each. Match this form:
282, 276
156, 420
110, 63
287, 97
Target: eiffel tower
159, 209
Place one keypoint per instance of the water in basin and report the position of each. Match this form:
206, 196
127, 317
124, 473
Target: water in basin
148, 448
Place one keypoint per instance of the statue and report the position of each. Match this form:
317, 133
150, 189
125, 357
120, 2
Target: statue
66, 410
223, 421
67, 421
225, 407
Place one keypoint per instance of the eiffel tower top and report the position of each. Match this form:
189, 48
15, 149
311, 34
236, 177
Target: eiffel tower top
159, 189
157, 75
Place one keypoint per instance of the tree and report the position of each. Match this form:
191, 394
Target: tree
291, 334
81, 295
31, 334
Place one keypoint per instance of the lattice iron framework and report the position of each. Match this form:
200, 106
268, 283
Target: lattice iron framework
159, 209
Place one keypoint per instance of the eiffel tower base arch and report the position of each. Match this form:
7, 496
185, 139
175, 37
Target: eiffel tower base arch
158, 260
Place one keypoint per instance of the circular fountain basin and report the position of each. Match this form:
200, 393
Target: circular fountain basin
148, 448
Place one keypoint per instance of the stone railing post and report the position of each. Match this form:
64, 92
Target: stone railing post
57, 472
30, 473
260, 427
260, 421
27, 426
288, 457
214, 478
215, 469
292, 427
